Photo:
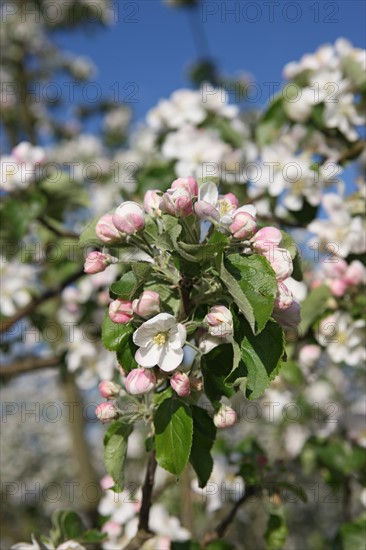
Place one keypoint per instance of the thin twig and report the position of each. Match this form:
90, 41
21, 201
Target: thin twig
221, 528
63, 233
28, 365
50, 293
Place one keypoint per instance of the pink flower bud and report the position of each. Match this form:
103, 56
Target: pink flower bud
140, 381
105, 412
267, 238
108, 389
106, 231
220, 321
180, 384
120, 311
284, 297
244, 224
188, 184
337, 287
96, 262
356, 273
177, 202
129, 218
288, 318
152, 202
107, 482
309, 355
281, 262
112, 528
147, 304
225, 417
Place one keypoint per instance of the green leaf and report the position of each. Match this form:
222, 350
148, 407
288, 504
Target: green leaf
115, 449
169, 297
66, 525
185, 545
289, 243
141, 270
115, 335
173, 435
313, 306
92, 536
168, 240
258, 284
201, 252
276, 532
237, 294
353, 535
262, 355
204, 435
216, 366
126, 287
126, 355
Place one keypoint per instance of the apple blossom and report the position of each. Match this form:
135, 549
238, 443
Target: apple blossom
284, 297
225, 417
105, 412
129, 218
180, 384
147, 304
355, 273
160, 341
281, 262
152, 200
108, 389
106, 230
188, 184
220, 321
139, 381
96, 262
309, 355
266, 238
244, 223
120, 311
177, 202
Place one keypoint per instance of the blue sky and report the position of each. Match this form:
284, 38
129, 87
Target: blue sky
145, 54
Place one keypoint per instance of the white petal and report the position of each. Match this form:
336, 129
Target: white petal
150, 356
208, 192
170, 359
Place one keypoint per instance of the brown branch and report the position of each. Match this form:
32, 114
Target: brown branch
50, 293
56, 230
28, 365
221, 528
144, 533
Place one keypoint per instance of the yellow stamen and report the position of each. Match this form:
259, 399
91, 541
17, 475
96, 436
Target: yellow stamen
160, 338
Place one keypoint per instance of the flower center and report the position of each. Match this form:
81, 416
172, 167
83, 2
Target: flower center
160, 338
225, 207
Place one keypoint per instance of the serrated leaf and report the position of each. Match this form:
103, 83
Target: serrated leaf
173, 435
115, 335
126, 287
66, 525
204, 435
313, 306
115, 449
258, 284
262, 355
216, 366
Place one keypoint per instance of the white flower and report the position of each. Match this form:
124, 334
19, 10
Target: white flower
161, 341
343, 115
343, 338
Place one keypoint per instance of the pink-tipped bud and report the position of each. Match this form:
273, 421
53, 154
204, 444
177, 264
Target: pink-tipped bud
284, 297
188, 184
180, 384
267, 238
220, 321
106, 412
338, 287
120, 311
129, 218
152, 202
112, 528
309, 355
244, 223
96, 262
140, 381
106, 230
108, 389
355, 274
281, 262
147, 304
288, 318
225, 417
177, 202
